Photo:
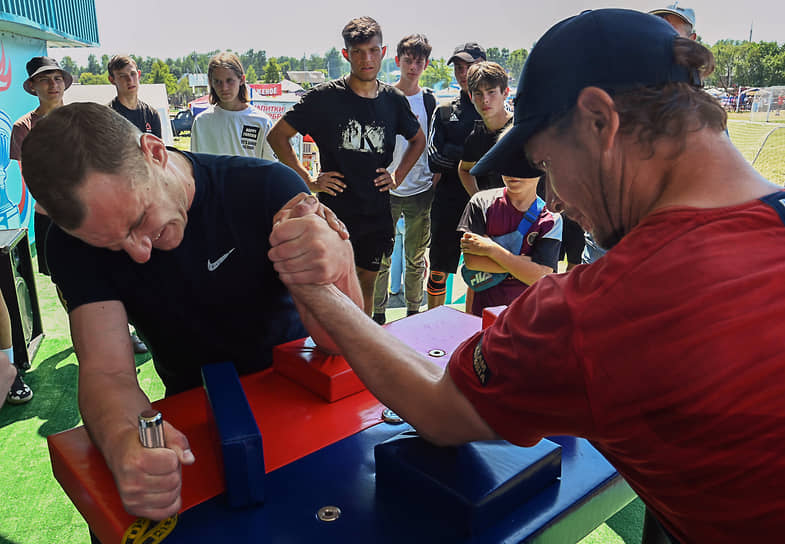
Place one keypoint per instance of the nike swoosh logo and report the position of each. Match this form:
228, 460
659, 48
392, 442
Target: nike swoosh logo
221, 259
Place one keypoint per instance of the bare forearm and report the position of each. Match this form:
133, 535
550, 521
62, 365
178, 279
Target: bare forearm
468, 181
410, 156
481, 262
109, 416
520, 266
283, 149
350, 286
400, 377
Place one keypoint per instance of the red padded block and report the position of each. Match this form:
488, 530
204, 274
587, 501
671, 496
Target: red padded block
435, 333
329, 376
489, 315
293, 421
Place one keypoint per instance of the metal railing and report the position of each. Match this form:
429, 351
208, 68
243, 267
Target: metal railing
71, 19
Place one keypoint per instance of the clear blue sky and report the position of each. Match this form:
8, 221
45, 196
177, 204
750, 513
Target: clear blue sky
173, 28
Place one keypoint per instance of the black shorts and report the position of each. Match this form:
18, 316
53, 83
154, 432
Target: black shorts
41, 224
572, 241
445, 239
372, 238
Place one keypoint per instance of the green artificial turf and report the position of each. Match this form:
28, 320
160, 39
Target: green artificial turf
34, 509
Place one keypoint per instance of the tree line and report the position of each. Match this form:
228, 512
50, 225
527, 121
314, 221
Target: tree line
737, 63
748, 64
261, 68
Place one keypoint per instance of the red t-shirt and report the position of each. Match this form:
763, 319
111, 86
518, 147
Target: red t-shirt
669, 355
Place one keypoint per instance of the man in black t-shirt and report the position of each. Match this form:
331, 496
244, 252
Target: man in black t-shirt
180, 243
354, 122
488, 89
124, 75
452, 123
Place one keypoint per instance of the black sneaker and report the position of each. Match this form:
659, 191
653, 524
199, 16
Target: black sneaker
412, 312
137, 344
380, 318
20, 392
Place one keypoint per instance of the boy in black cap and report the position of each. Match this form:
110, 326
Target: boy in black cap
48, 81
452, 123
667, 353
510, 237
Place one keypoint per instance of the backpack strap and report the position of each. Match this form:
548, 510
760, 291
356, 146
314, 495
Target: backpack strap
429, 100
531, 215
776, 201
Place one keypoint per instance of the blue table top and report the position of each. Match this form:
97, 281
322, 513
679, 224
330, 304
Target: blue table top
343, 475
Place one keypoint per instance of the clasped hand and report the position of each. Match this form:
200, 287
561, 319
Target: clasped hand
309, 243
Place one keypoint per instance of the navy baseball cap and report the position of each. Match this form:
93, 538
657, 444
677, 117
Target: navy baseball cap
613, 49
469, 52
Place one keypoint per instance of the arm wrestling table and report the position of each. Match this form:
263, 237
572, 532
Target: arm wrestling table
322, 433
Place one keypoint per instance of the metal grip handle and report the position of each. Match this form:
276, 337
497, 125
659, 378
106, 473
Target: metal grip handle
151, 429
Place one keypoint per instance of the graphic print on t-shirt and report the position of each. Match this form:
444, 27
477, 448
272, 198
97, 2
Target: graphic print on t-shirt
356, 137
249, 137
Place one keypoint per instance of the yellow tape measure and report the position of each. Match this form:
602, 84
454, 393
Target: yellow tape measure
145, 531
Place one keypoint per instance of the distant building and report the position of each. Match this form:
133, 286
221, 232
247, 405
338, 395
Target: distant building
312, 78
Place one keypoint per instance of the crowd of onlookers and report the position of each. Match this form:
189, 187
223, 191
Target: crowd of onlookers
417, 164
664, 352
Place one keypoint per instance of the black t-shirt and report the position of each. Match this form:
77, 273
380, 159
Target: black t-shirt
144, 117
355, 136
477, 144
451, 125
216, 297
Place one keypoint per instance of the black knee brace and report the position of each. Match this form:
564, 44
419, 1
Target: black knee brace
437, 283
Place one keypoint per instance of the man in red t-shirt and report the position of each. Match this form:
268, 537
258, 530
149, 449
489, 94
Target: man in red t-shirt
666, 353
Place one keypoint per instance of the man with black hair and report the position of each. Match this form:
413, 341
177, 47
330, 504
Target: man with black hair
413, 197
452, 123
667, 353
354, 121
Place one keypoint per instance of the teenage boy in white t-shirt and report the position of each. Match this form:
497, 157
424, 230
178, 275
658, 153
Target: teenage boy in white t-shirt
230, 126
414, 196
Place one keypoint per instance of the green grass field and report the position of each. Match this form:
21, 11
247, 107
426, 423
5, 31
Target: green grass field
34, 508
763, 144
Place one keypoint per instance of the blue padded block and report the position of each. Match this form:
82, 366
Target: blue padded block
476, 484
237, 433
